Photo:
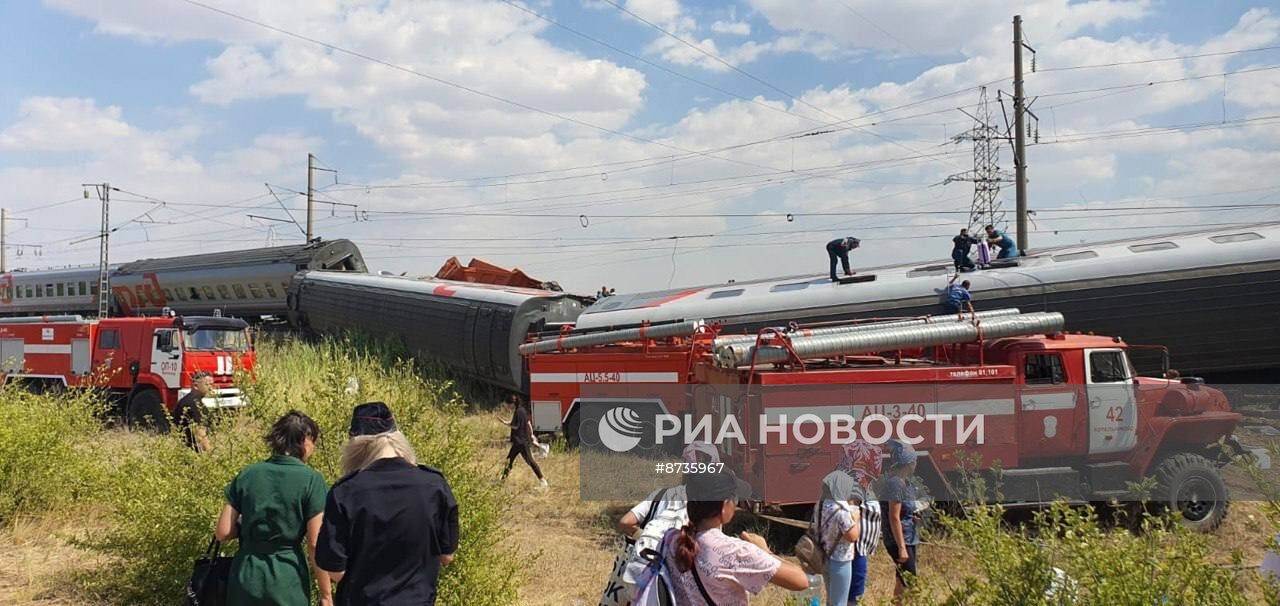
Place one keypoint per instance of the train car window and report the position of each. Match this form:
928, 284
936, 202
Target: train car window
271, 290
39, 290
1044, 369
108, 339
195, 294
1229, 238
725, 294
93, 289
239, 291
1076, 256
168, 295
84, 288
789, 287
19, 291
223, 291
1154, 246
181, 293
254, 292
48, 289
61, 292
208, 293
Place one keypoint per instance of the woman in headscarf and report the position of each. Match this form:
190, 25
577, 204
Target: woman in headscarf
901, 508
837, 520
861, 460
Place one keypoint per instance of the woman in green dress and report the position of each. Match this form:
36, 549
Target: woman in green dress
271, 506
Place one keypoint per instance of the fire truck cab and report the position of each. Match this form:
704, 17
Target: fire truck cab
144, 365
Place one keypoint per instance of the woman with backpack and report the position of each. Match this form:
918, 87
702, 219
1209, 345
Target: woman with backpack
861, 460
837, 519
709, 568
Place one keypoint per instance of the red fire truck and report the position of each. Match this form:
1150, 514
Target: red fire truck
1062, 415
143, 364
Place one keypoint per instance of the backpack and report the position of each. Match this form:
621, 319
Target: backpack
809, 549
674, 515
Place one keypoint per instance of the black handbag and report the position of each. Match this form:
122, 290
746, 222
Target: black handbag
209, 578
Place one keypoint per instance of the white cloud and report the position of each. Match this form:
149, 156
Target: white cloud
64, 124
733, 28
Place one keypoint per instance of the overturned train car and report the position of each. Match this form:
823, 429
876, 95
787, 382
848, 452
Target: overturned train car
474, 329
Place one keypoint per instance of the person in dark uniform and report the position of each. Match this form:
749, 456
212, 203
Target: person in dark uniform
839, 249
188, 415
389, 523
1008, 248
521, 439
962, 244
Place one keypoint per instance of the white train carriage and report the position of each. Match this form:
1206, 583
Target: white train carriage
1210, 296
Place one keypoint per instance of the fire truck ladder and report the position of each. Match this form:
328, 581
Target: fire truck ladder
872, 338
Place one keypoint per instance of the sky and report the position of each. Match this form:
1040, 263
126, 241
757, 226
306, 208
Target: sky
639, 144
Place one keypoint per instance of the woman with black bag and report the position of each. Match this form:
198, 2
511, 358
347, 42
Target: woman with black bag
278, 502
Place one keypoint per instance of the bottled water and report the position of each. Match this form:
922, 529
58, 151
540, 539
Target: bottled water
813, 595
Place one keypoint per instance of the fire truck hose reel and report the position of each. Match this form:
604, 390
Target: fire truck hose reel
856, 328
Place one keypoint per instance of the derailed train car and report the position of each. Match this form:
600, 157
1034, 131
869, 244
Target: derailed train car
245, 283
1207, 295
474, 329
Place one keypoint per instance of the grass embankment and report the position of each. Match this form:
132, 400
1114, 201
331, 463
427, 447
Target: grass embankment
113, 517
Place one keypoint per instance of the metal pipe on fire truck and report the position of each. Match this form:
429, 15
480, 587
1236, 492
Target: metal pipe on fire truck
662, 331
726, 340
736, 355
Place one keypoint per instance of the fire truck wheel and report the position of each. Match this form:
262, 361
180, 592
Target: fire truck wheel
1190, 484
145, 411
572, 427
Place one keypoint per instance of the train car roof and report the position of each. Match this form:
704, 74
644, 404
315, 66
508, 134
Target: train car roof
309, 256
1195, 250
509, 295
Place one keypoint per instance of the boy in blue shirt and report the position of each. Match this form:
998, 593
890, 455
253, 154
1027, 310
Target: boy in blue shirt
957, 297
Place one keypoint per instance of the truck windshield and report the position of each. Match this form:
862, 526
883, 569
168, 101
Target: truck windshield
216, 339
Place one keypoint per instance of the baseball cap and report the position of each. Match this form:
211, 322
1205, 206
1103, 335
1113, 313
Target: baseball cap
723, 486
371, 418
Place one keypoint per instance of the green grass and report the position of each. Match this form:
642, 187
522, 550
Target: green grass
162, 499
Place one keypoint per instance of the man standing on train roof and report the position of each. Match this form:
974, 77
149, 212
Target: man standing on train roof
839, 249
1008, 248
963, 243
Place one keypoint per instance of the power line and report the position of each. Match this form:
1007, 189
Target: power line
652, 64
735, 68
882, 30
1159, 60
1159, 82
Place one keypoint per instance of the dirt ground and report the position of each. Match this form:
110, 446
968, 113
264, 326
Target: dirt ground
569, 544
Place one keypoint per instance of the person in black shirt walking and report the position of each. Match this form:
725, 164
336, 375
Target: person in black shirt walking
389, 524
188, 415
521, 438
839, 249
963, 243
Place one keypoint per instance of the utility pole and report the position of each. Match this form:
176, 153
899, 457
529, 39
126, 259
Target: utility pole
3, 218
104, 274
311, 166
1020, 134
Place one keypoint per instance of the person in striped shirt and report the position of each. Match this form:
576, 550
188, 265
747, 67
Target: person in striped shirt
861, 460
